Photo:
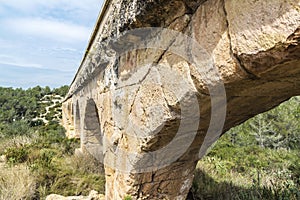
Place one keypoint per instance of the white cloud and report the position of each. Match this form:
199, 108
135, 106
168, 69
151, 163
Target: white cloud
65, 49
74, 8
5, 44
31, 65
49, 29
33, 4
10, 60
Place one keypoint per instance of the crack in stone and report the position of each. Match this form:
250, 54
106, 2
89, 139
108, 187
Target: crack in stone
172, 42
136, 93
133, 84
189, 50
139, 191
235, 56
166, 180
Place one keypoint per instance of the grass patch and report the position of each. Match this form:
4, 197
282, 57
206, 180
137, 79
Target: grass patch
247, 173
16, 183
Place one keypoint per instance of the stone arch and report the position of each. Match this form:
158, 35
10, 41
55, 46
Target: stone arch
91, 139
68, 118
258, 75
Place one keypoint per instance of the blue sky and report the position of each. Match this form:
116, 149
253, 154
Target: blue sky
42, 42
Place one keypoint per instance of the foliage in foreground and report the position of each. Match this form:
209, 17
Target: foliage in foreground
217, 178
47, 156
39, 158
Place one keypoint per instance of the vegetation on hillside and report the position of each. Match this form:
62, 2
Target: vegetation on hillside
39, 159
260, 159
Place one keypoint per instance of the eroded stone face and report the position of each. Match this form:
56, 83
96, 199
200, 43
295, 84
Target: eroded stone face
257, 26
149, 105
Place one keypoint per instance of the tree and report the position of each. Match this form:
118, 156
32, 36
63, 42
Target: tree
277, 128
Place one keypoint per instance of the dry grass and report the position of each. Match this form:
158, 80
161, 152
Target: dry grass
4, 144
218, 179
16, 183
84, 163
225, 175
16, 141
21, 140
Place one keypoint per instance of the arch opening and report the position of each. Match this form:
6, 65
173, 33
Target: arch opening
77, 124
91, 138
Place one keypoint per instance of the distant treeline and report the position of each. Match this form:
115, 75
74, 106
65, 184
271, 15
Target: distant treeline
19, 108
18, 104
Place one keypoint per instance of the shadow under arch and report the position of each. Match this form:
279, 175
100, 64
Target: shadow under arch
91, 135
77, 124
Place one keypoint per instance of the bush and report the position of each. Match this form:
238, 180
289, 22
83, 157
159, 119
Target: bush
128, 198
16, 155
72, 175
15, 128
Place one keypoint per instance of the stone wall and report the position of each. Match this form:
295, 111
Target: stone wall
149, 102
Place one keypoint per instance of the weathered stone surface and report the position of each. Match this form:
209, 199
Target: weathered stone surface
257, 26
148, 104
94, 195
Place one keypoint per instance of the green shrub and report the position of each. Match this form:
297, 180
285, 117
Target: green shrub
128, 198
16, 155
15, 128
